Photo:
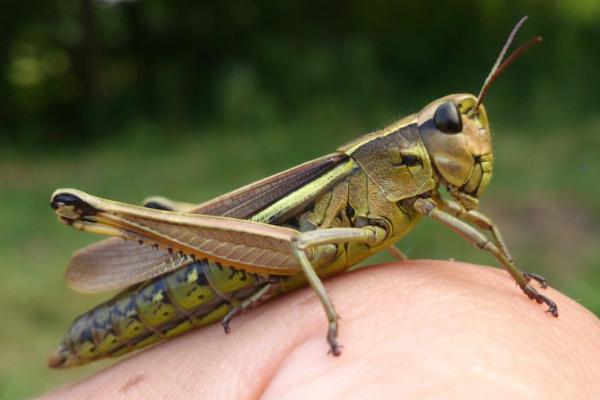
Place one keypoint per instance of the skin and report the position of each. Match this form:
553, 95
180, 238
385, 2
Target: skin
416, 329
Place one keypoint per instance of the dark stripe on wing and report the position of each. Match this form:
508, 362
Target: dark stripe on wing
112, 263
250, 199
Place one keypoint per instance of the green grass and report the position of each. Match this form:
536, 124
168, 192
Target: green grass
544, 196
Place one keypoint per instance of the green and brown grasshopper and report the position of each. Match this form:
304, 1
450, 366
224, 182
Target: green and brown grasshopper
200, 264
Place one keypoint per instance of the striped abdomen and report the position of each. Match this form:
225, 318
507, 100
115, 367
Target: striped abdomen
196, 295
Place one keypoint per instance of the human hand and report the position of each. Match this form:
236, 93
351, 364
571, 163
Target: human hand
415, 329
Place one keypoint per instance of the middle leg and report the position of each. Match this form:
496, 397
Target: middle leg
311, 240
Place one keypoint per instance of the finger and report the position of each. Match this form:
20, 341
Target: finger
419, 328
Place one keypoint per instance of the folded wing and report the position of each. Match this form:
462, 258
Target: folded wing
114, 263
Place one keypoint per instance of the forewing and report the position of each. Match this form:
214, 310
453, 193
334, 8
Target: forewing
250, 199
114, 263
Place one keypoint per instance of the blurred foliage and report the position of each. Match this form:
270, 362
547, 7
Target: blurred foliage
125, 99
75, 70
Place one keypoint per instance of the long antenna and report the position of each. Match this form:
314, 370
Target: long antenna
500, 66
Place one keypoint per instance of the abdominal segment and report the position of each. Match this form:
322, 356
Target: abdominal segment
194, 296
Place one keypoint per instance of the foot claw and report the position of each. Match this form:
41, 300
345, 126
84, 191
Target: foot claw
226, 327
541, 299
334, 347
538, 278
552, 308
336, 350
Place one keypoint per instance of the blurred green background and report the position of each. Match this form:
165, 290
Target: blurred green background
125, 99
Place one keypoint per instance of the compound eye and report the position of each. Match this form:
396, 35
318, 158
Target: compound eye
447, 118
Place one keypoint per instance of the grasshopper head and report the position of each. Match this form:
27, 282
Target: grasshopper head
456, 133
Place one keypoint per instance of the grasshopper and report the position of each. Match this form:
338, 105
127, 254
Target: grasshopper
184, 266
